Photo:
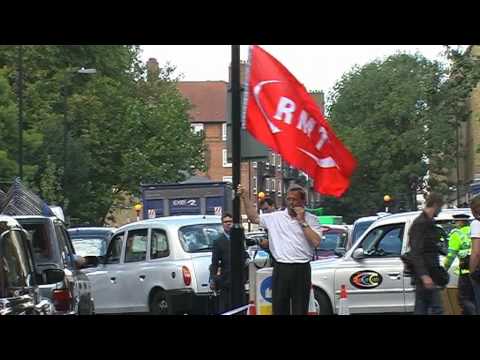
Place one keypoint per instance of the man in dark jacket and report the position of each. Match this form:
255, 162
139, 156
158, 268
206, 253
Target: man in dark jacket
425, 246
220, 270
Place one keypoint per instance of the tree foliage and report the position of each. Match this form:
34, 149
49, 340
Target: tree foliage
120, 129
381, 111
8, 130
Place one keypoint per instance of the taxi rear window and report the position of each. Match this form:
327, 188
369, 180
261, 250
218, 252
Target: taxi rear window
201, 237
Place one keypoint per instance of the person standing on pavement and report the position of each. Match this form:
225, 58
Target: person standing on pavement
460, 244
220, 269
474, 264
425, 258
293, 235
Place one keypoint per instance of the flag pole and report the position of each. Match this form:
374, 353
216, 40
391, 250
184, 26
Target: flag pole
236, 250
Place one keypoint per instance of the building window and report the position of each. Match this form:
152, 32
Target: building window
273, 159
279, 188
272, 185
254, 164
224, 132
279, 162
227, 179
225, 159
267, 184
254, 188
197, 128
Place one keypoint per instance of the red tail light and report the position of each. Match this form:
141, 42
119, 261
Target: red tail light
62, 299
187, 277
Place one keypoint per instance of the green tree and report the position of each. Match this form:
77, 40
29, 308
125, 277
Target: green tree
121, 130
8, 129
382, 111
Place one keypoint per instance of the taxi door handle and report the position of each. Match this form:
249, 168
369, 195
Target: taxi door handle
395, 275
113, 280
141, 277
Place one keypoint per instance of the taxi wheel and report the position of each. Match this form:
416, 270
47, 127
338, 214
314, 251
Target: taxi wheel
323, 302
159, 304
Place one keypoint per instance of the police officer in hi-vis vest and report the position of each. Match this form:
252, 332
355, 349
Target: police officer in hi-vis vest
460, 244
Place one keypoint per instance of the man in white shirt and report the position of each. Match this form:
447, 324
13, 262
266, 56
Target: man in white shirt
475, 255
293, 236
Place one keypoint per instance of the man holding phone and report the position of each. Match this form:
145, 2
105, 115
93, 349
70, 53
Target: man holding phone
293, 236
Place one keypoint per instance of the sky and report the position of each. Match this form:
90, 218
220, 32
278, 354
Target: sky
318, 67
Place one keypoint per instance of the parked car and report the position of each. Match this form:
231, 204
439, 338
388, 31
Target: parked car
333, 243
53, 249
372, 270
19, 276
158, 265
91, 241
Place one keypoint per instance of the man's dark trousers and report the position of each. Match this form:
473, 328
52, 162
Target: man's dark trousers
291, 283
427, 301
466, 296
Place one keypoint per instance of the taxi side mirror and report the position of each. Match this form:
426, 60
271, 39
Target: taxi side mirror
358, 254
91, 261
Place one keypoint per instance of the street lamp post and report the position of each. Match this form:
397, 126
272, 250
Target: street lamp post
236, 234
65, 122
20, 110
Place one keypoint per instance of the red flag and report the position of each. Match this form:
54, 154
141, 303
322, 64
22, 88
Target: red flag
283, 116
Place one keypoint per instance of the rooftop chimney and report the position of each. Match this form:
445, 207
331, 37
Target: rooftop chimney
153, 70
